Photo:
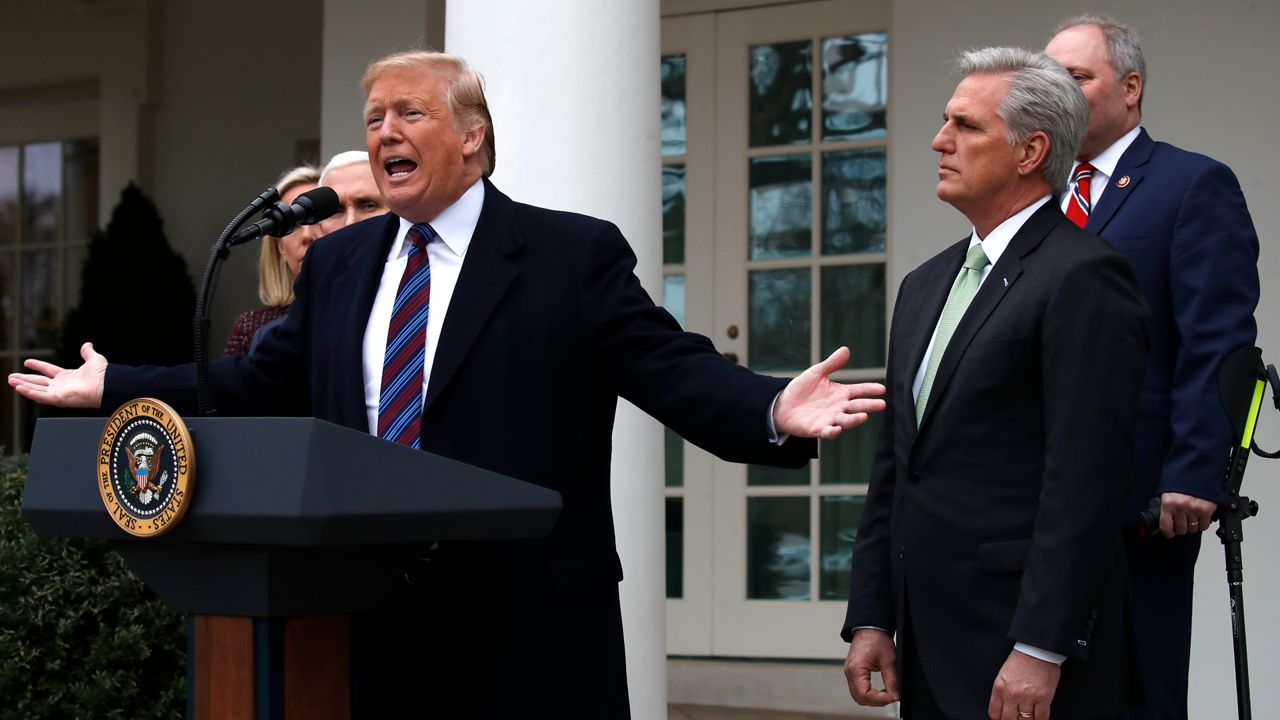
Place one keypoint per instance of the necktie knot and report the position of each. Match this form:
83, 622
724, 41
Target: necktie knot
420, 234
1080, 204
976, 258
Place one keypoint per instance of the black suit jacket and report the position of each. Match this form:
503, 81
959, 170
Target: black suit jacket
997, 520
546, 328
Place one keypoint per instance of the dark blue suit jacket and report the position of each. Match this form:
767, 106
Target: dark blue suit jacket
1182, 222
547, 327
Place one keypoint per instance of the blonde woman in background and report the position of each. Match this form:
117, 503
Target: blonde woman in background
278, 264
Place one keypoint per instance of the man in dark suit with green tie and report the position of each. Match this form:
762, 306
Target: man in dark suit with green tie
988, 575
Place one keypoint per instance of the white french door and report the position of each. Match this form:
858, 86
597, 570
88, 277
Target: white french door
775, 207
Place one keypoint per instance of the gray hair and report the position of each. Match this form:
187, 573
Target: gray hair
1041, 97
343, 159
1124, 47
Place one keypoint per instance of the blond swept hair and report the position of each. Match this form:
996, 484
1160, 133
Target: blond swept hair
464, 93
275, 280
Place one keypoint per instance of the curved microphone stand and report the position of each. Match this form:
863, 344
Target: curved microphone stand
218, 253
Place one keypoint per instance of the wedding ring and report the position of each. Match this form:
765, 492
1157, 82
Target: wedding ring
1024, 714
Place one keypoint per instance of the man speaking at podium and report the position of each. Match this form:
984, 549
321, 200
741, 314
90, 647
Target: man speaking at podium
501, 335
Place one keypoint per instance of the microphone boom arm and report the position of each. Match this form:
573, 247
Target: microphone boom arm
204, 297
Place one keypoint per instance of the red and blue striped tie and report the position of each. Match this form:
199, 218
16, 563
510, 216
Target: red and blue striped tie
1081, 205
400, 401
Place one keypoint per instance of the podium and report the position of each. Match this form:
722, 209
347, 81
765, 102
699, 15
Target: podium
295, 524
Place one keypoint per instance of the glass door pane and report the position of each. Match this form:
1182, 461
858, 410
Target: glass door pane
801, 240
687, 141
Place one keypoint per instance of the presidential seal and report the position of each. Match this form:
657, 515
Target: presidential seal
145, 467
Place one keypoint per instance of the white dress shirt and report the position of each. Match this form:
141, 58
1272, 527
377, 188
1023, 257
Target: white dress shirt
454, 226
1104, 167
994, 245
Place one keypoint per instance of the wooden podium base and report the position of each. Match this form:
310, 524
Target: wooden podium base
254, 669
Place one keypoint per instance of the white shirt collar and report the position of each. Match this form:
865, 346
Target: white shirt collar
454, 226
997, 240
1105, 162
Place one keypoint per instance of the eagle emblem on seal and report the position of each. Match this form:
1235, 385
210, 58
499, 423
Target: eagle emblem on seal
145, 453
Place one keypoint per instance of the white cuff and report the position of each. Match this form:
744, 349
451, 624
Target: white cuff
1039, 653
774, 437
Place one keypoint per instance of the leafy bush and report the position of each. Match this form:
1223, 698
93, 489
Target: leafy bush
80, 636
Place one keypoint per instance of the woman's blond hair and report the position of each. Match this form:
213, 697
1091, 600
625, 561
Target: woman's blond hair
275, 280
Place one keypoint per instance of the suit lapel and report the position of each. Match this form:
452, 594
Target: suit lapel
994, 289
925, 307
487, 274
1132, 165
361, 270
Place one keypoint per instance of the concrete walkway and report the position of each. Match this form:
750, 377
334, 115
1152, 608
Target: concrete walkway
716, 712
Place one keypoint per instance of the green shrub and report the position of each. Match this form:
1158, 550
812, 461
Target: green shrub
131, 250
80, 636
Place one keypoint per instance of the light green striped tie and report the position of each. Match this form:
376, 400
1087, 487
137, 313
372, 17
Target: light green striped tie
962, 292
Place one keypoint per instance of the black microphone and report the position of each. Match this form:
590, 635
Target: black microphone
280, 219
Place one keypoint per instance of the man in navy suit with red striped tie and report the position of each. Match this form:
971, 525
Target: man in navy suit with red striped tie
1181, 220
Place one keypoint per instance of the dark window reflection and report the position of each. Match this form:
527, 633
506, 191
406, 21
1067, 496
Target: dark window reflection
839, 518
8, 300
765, 475
673, 205
673, 444
780, 319
673, 297
675, 547
778, 566
853, 201
847, 459
780, 207
853, 312
39, 314
48, 208
7, 402
673, 105
855, 86
42, 190
9, 195
781, 95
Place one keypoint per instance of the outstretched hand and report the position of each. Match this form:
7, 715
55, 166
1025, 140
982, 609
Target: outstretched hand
52, 385
812, 406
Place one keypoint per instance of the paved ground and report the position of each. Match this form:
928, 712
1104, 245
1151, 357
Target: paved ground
714, 712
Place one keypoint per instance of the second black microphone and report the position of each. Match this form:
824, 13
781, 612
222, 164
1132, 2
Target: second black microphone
280, 219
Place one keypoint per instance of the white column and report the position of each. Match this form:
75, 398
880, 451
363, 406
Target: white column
129, 50
573, 89
355, 34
